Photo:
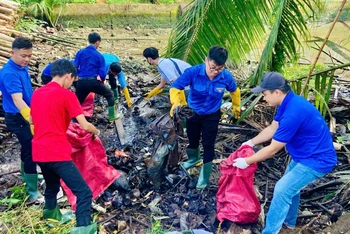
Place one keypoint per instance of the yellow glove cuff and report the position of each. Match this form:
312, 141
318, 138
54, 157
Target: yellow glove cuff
127, 97
236, 97
25, 112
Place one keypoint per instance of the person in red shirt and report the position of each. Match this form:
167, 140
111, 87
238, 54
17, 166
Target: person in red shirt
53, 106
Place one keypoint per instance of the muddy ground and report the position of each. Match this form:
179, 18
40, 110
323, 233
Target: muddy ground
178, 205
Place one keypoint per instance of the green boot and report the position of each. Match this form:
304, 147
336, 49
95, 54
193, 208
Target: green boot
32, 187
91, 229
112, 115
193, 158
52, 214
115, 93
204, 175
40, 177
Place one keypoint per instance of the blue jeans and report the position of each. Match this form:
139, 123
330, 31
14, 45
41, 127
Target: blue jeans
286, 196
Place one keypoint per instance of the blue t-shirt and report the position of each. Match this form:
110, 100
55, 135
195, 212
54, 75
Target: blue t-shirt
306, 134
47, 69
14, 79
168, 70
109, 59
205, 95
90, 63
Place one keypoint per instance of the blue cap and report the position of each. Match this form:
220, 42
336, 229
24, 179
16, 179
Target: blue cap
271, 81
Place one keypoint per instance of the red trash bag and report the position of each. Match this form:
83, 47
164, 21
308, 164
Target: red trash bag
236, 199
88, 105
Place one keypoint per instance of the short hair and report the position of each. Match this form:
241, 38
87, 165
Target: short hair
285, 89
62, 67
115, 67
94, 37
218, 54
151, 52
22, 43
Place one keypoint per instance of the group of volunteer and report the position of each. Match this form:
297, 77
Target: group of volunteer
40, 121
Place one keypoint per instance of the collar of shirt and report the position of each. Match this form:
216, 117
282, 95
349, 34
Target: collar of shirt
15, 65
91, 47
286, 100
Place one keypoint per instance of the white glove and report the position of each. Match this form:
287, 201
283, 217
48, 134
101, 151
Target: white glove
250, 143
240, 163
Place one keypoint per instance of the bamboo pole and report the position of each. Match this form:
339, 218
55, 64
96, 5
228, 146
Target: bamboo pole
6, 10
320, 50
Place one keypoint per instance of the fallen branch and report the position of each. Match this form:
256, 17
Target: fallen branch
10, 172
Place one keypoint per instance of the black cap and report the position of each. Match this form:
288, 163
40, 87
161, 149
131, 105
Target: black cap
271, 81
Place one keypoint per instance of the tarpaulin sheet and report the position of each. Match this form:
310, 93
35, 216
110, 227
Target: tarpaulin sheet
236, 199
89, 156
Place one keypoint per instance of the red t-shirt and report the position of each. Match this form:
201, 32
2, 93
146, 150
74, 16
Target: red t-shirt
52, 108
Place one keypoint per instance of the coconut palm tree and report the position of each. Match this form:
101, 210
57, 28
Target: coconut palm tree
241, 26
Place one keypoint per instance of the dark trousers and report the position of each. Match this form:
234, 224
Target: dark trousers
21, 128
69, 173
85, 86
112, 81
207, 125
45, 79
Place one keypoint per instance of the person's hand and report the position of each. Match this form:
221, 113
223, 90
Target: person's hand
32, 129
96, 134
250, 143
152, 93
173, 107
240, 163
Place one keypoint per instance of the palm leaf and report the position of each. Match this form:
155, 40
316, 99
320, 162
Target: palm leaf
234, 24
287, 24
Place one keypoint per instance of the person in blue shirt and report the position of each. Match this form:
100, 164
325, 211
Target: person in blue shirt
46, 73
114, 69
169, 68
208, 82
16, 88
91, 68
299, 127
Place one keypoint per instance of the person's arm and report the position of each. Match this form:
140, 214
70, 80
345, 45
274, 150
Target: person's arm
18, 101
162, 83
85, 125
102, 69
157, 90
266, 134
265, 152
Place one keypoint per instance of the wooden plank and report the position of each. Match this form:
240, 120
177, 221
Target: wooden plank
120, 130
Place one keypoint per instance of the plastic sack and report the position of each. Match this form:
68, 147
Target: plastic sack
236, 199
88, 105
89, 156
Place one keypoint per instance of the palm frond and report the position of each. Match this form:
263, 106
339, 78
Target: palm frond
288, 22
234, 24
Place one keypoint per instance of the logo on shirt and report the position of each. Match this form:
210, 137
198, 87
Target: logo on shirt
220, 90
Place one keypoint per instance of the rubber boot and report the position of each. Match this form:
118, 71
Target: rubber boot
91, 229
115, 93
193, 158
112, 115
52, 214
32, 188
204, 175
40, 177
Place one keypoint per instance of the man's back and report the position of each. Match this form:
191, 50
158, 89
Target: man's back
90, 63
171, 68
52, 109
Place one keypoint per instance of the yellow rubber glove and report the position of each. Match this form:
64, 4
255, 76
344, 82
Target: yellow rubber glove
25, 112
32, 129
236, 103
152, 93
177, 98
127, 97
183, 98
